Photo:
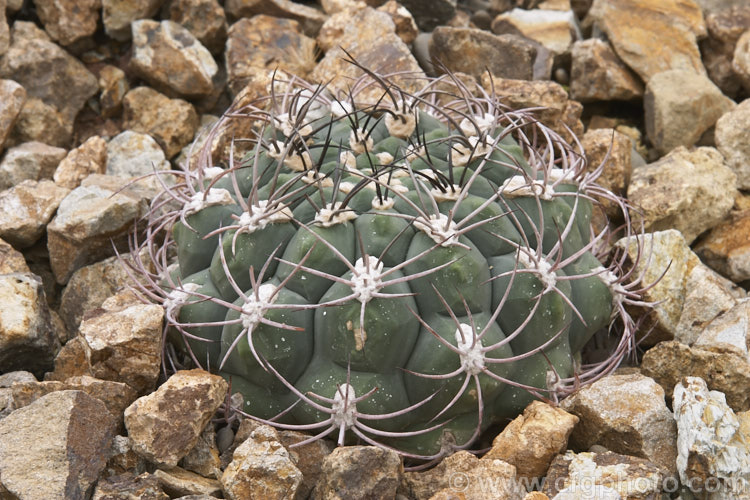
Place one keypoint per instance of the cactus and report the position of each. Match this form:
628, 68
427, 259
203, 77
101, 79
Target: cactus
402, 271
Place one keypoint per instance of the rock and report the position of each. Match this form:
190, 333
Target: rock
179, 482
27, 337
406, 27
430, 14
47, 72
67, 21
613, 149
205, 19
726, 248
113, 85
171, 59
730, 330
165, 425
31, 160
597, 74
122, 458
13, 97
100, 211
626, 414
359, 472
25, 210
261, 468
691, 191
264, 44
577, 475
475, 52
680, 105
122, 342
65, 435
133, 154
308, 458
117, 15
70, 361
11, 260
203, 458
555, 30
722, 367
741, 59
725, 26
714, 448
88, 158
171, 122
127, 486
309, 18
531, 440
189, 157
4, 31
730, 139
652, 36
40, 122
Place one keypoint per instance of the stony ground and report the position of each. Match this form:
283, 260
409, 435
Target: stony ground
96, 92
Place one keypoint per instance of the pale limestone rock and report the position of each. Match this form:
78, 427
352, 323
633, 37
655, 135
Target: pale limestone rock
13, 97
182, 482
616, 148
4, 30
29, 161
25, 210
127, 485
597, 74
406, 27
726, 248
308, 458
135, 154
359, 472
165, 425
122, 341
261, 468
731, 140
626, 414
730, 330
117, 15
11, 260
67, 21
113, 85
55, 447
741, 59
203, 18
554, 29
41, 122
88, 158
311, 19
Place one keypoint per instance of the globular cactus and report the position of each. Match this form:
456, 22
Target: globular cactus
402, 271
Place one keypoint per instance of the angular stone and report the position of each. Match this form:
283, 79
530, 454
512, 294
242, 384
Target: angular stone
203, 458
475, 52
93, 216
171, 59
13, 97
310, 18
616, 148
29, 161
597, 74
122, 458
11, 260
114, 85
46, 71
726, 248
55, 447
730, 330
359, 472
41, 122
680, 106
126, 486
134, 154
178, 481
122, 341
264, 44
261, 468
4, 30
67, 21
406, 27
577, 475
531, 440
165, 425
27, 337
555, 30
652, 36
731, 140
203, 18
626, 414
88, 158
25, 210
69, 362
117, 15
429, 14
308, 458
741, 59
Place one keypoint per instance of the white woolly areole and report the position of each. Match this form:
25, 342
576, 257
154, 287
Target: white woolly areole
341, 108
367, 278
359, 141
484, 122
387, 181
618, 291
385, 158
461, 154
470, 352
330, 215
255, 307
348, 160
519, 185
344, 408
315, 177
260, 215
561, 175
200, 200
294, 160
401, 125
542, 268
211, 172
179, 297
439, 229
284, 122
450, 194
346, 187
383, 204
316, 109
414, 152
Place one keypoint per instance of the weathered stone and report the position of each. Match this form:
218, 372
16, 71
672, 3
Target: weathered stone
4, 31
741, 59
680, 106
41, 122
429, 14
93, 216
165, 425
178, 481
261, 468
88, 158
27, 337
13, 97
626, 414
578, 475
652, 36
334, 6
31, 160
11, 260
264, 44
55, 447
127, 486
731, 140
113, 85
122, 341
722, 367
134, 154
714, 448
359, 472
340, 25
203, 18
117, 15
616, 148
171, 59
25, 210
69, 362
189, 157
690, 191
475, 52
122, 458
311, 19
406, 27
531, 440
725, 26
555, 30
203, 458
67, 21
46, 71
726, 248
308, 458
730, 330
597, 74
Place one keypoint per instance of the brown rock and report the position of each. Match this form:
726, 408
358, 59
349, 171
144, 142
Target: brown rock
88, 158
741, 59
597, 73
31, 160
127, 486
475, 52
730, 139
203, 458
165, 425
726, 248
359, 472
13, 97
430, 14
67, 21
117, 15
25, 210
123, 460
203, 18
4, 30
69, 362
11, 260
178, 481
308, 458
40, 122
406, 27
309, 18
614, 150
113, 85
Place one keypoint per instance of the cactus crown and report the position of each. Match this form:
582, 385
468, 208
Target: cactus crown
402, 268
